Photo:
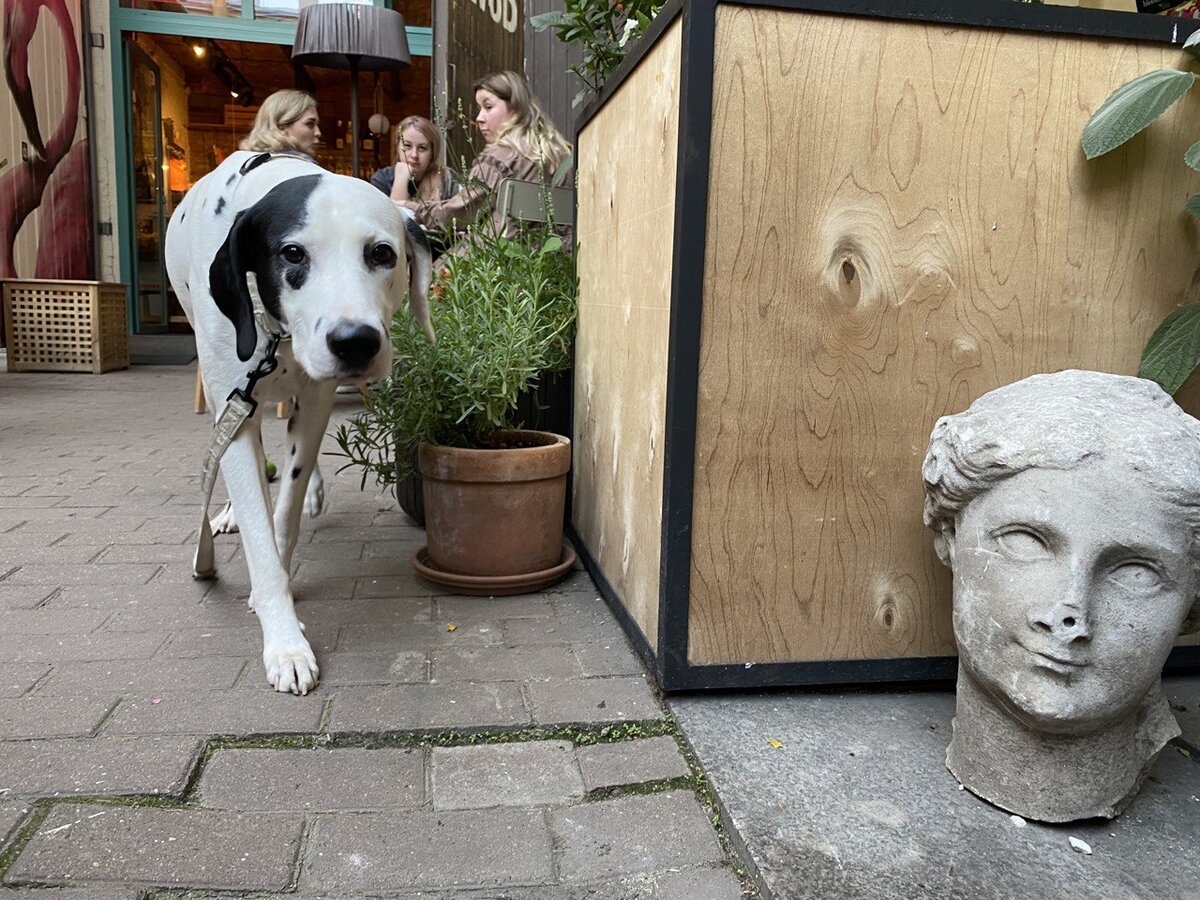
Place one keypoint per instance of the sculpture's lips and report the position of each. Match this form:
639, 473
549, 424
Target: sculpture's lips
1054, 661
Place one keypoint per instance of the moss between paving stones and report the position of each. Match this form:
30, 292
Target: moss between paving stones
578, 735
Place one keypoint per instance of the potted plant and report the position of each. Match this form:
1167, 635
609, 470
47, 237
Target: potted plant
1173, 352
494, 494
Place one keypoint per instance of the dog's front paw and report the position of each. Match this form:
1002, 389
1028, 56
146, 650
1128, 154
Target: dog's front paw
291, 666
224, 521
314, 497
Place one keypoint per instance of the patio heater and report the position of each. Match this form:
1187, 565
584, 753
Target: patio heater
352, 36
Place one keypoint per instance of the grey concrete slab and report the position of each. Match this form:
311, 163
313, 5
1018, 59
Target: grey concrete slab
423, 850
88, 893
78, 647
608, 658
631, 762
22, 596
129, 597
319, 780
528, 773
54, 621
648, 833
240, 711
129, 676
593, 700
404, 667
17, 678
417, 636
401, 707
57, 576
504, 664
163, 847
469, 610
34, 717
405, 584
858, 803
389, 611
100, 766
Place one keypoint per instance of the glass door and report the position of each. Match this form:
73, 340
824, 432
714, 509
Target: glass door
151, 305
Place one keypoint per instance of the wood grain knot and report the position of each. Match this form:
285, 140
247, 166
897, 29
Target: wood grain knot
964, 351
895, 610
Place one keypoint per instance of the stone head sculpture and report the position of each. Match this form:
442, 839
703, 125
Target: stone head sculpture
1068, 508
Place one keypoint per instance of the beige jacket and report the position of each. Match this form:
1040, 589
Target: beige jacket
494, 164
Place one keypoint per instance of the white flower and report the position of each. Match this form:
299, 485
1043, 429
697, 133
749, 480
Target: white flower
630, 27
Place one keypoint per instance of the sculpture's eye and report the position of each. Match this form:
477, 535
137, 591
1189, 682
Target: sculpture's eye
293, 253
1136, 576
383, 255
1022, 543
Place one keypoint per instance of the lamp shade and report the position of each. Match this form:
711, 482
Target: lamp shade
351, 36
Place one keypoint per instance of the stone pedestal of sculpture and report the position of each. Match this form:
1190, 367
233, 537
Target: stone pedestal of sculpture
1068, 508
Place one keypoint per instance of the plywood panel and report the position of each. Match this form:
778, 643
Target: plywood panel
626, 210
912, 224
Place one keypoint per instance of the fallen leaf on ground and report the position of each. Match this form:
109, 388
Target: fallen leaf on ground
452, 627
778, 745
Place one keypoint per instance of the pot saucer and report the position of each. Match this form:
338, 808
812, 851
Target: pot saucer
493, 585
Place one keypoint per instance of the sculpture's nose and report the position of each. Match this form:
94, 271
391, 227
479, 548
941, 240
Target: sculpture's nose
1064, 614
354, 344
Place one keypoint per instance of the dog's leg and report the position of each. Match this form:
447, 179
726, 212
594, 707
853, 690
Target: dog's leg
287, 656
306, 428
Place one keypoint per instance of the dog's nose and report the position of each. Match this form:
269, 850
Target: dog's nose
354, 344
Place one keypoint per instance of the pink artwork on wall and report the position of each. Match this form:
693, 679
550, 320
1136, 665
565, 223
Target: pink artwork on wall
55, 179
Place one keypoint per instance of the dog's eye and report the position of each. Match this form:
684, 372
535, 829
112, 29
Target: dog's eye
293, 253
383, 255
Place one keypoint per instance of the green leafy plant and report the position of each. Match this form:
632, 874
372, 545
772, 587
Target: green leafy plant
504, 313
602, 30
1173, 351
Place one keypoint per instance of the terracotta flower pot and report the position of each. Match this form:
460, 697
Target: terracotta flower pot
495, 514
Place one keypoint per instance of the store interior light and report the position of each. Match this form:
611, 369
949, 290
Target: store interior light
200, 50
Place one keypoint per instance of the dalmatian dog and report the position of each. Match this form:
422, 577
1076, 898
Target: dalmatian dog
330, 259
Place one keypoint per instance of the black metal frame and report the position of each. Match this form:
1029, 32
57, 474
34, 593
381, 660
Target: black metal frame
670, 664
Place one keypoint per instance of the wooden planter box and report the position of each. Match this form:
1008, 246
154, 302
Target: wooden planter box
807, 229
66, 326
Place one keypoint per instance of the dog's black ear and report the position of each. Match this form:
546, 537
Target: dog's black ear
420, 271
227, 281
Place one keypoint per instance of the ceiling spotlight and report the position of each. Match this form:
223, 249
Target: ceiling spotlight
199, 50
233, 94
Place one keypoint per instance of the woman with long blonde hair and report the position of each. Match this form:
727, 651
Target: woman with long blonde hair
522, 143
287, 120
418, 146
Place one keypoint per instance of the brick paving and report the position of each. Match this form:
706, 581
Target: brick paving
456, 746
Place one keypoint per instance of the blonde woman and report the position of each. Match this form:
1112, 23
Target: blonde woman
522, 143
418, 146
287, 120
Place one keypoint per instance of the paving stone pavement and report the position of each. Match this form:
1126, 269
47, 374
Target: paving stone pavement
520, 753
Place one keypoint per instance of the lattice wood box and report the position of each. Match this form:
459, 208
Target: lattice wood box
66, 326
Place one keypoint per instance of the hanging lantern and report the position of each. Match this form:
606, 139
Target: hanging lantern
379, 124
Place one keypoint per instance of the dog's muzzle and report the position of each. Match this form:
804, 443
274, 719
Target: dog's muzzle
354, 345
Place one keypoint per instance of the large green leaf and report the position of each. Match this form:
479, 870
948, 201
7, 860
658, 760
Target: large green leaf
1193, 205
1173, 351
1132, 107
1192, 157
1192, 44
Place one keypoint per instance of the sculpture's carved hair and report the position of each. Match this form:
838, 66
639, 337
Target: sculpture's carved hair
1061, 421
